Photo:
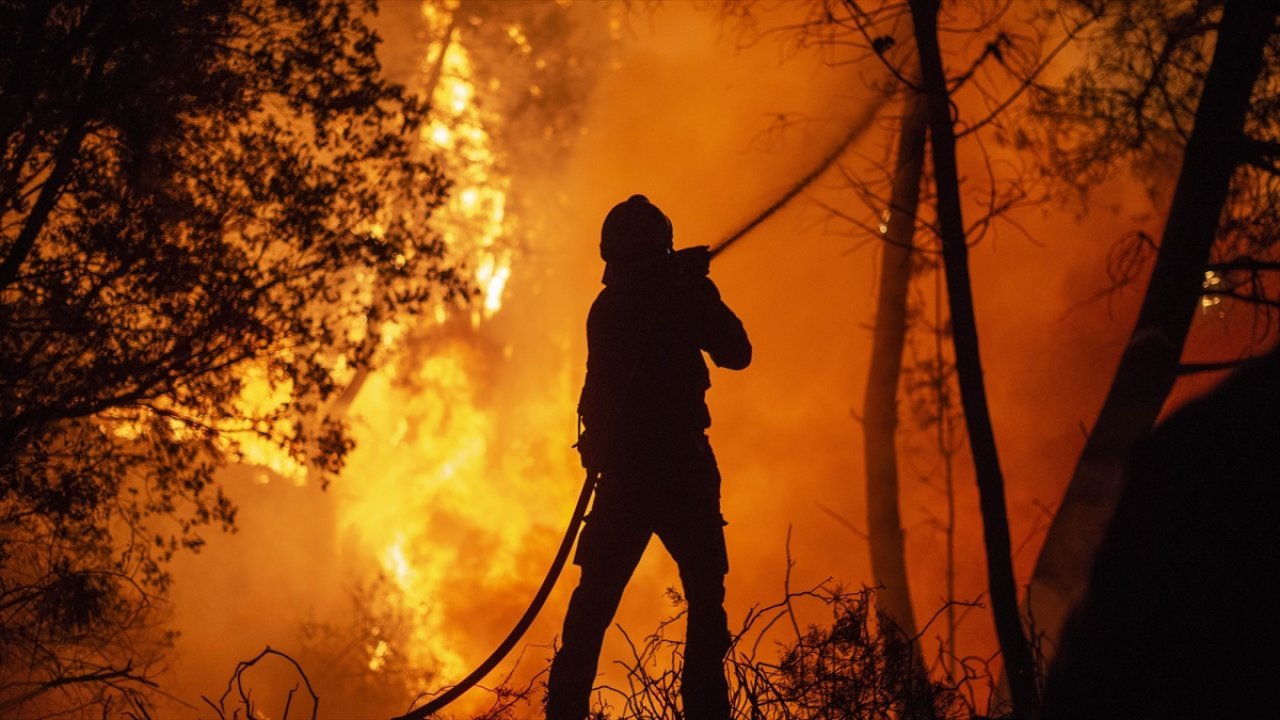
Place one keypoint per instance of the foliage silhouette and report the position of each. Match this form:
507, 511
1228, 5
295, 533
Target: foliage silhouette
849, 668
193, 194
1174, 90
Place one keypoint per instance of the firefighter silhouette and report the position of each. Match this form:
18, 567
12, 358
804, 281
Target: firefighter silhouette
645, 420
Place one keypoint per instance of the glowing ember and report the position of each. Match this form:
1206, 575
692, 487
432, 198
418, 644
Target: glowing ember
1212, 282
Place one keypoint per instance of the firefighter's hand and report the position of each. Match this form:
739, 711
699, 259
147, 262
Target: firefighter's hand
694, 262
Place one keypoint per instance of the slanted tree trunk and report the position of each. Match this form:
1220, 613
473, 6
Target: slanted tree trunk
880, 403
1150, 361
995, 522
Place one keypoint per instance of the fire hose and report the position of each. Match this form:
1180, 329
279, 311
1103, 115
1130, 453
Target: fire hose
437, 703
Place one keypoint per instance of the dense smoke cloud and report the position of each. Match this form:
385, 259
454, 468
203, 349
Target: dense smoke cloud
712, 130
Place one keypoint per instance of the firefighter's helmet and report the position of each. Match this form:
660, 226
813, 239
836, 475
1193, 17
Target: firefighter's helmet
634, 230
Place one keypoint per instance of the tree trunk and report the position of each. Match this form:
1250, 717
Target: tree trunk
995, 523
1149, 363
880, 404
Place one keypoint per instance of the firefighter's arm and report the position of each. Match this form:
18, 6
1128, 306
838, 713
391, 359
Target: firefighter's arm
722, 334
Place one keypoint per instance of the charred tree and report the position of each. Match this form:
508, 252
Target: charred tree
1004, 597
1150, 362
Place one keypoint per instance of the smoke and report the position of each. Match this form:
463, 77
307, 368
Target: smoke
416, 562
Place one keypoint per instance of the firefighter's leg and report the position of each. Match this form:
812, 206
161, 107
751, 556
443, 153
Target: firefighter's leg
608, 550
699, 550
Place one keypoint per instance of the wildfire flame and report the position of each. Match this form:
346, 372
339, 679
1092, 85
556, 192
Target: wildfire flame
429, 493
423, 495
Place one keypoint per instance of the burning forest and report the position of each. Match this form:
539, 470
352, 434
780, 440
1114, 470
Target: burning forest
315, 317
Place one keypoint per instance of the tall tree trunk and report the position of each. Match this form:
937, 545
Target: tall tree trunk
880, 404
1149, 363
995, 522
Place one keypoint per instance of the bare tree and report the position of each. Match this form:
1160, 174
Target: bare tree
1000, 578
849, 24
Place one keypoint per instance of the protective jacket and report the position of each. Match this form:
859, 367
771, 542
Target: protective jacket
646, 378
